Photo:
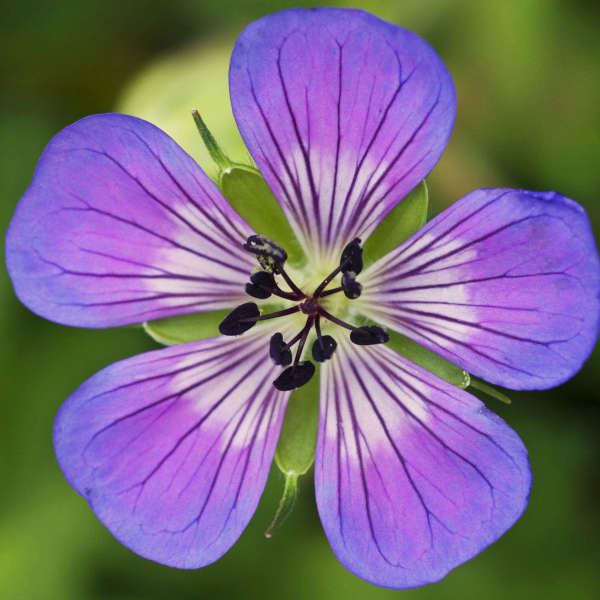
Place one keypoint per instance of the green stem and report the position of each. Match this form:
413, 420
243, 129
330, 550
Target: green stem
213, 148
286, 504
490, 390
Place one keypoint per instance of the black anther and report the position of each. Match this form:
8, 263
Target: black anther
279, 351
368, 335
352, 289
240, 319
295, 376
269, 254
352, 257
262, 286
323, 348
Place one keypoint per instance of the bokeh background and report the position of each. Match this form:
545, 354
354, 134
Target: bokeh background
527, 73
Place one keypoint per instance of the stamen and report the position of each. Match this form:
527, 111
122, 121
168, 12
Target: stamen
298, 336
270, 255
352, 289
295, 376
292, 285
246, 315
240, 319
351, 261
279, 313
352, 257
262, 286
323, 348
369, 335
335, 320
362, 336
300, 372
279, 351
326, 282
303, 338
332, 291
318, 325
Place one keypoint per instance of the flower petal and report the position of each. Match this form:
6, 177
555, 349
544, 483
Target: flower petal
172, 448
119, 226
413, 476
505, 283
344, 115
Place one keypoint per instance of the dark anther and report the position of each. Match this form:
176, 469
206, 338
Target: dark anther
368, 335
240, 319
323, 348
257, 292
279, 350
262, 286
269, 254
352, 257
295, 376
352, 289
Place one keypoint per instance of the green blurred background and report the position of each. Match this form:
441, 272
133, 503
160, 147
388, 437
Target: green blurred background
527, 73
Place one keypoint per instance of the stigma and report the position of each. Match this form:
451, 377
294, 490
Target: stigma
266, 283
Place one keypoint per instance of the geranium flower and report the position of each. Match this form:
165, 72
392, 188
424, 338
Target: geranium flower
344, 114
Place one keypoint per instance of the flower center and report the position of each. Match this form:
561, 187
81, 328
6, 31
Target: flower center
263, 284
310, 306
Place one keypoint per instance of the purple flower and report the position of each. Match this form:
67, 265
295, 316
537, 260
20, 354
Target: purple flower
344, 114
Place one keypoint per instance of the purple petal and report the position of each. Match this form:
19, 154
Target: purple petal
505, 283
119, 226
413, 475
172, 448
344, 115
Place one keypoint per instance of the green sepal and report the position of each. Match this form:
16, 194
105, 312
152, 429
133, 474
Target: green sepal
286, 504
214, 150
489, 390
429, 360
296, 447
185, 328
251, 197
404, 220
